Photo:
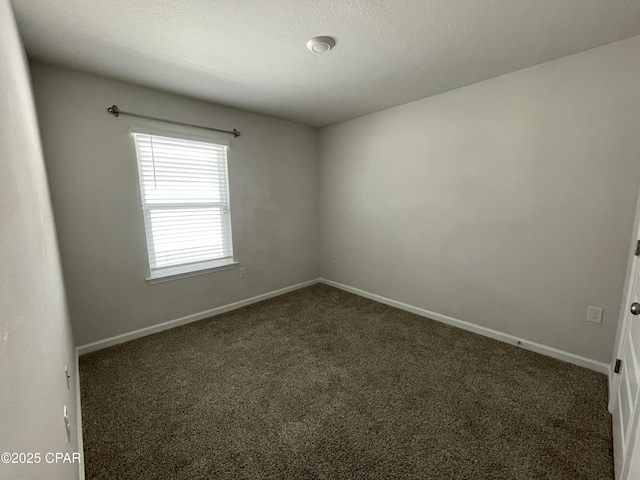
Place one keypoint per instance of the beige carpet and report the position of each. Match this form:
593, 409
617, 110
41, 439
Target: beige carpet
323, 384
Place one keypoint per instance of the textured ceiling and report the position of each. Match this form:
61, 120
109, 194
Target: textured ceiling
251, 54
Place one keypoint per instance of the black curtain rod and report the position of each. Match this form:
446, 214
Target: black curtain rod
116, 112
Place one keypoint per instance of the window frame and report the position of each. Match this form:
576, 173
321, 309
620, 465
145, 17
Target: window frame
187, 269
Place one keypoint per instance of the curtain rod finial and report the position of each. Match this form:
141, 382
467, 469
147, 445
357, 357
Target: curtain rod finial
113, 110
235, 132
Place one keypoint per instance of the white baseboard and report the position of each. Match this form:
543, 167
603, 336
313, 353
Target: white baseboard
487, 332
79, 417
612, 386
143, 332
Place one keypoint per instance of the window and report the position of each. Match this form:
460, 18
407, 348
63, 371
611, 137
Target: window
185, 199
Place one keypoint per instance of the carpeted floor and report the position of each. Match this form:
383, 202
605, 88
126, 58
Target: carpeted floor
323, 384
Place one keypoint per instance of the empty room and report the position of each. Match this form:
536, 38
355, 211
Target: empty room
320, 239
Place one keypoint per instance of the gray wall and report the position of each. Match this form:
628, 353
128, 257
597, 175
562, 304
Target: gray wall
94, 183
35, 335
508, 203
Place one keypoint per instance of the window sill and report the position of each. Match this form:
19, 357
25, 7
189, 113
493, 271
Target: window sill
178, 273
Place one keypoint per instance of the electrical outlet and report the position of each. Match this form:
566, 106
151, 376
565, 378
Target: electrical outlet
594, 314
243, 272
67, 423
334, 259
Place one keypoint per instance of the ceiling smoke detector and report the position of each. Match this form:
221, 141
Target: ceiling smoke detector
320, 44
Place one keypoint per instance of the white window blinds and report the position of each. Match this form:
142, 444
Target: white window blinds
185, 199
